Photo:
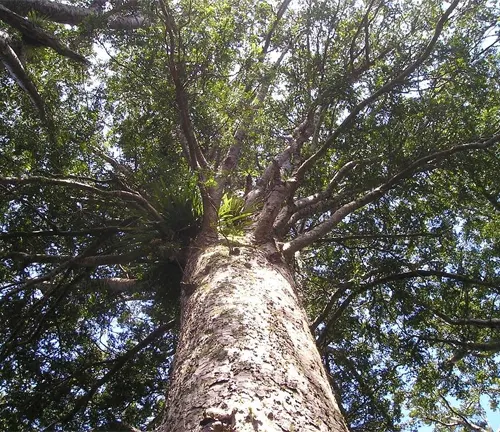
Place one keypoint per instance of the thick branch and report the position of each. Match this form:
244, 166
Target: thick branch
34, 32
323, 228
74, 15
16, 70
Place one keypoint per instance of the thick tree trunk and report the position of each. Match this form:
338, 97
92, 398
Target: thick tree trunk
246, 360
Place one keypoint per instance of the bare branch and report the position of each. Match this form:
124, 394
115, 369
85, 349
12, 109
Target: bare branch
34, 32
17, 71
74, 15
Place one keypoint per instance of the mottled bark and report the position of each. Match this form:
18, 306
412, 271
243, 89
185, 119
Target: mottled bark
74, 15
246, 360
17, 71
35, 35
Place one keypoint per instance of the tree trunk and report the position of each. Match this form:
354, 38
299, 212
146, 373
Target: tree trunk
246, 360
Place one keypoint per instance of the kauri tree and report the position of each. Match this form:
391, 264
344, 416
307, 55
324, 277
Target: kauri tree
249, 215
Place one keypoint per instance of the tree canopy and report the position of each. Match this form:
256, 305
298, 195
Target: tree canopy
361, 134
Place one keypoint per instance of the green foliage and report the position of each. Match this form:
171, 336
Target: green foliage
232, 217
393, 287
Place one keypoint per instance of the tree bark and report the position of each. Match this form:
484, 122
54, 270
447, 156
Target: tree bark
246, 360
74, 15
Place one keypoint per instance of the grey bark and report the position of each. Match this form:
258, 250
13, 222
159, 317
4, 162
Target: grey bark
36, 34
246, 359
74, 15
14, 66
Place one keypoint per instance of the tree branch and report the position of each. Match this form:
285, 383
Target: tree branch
34, 32
383, 280
493, 346
82, 402
316, 233
281, 11
329, 306
429, 273
121, 285
133, 196
88, 261
304, 207
176, 66
17, 71
491, 323
299, 174
462, 419
346, 238
233, 154
442, 423
74, 15
57, 233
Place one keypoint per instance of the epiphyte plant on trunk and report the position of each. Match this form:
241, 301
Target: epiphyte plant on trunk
297, 199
